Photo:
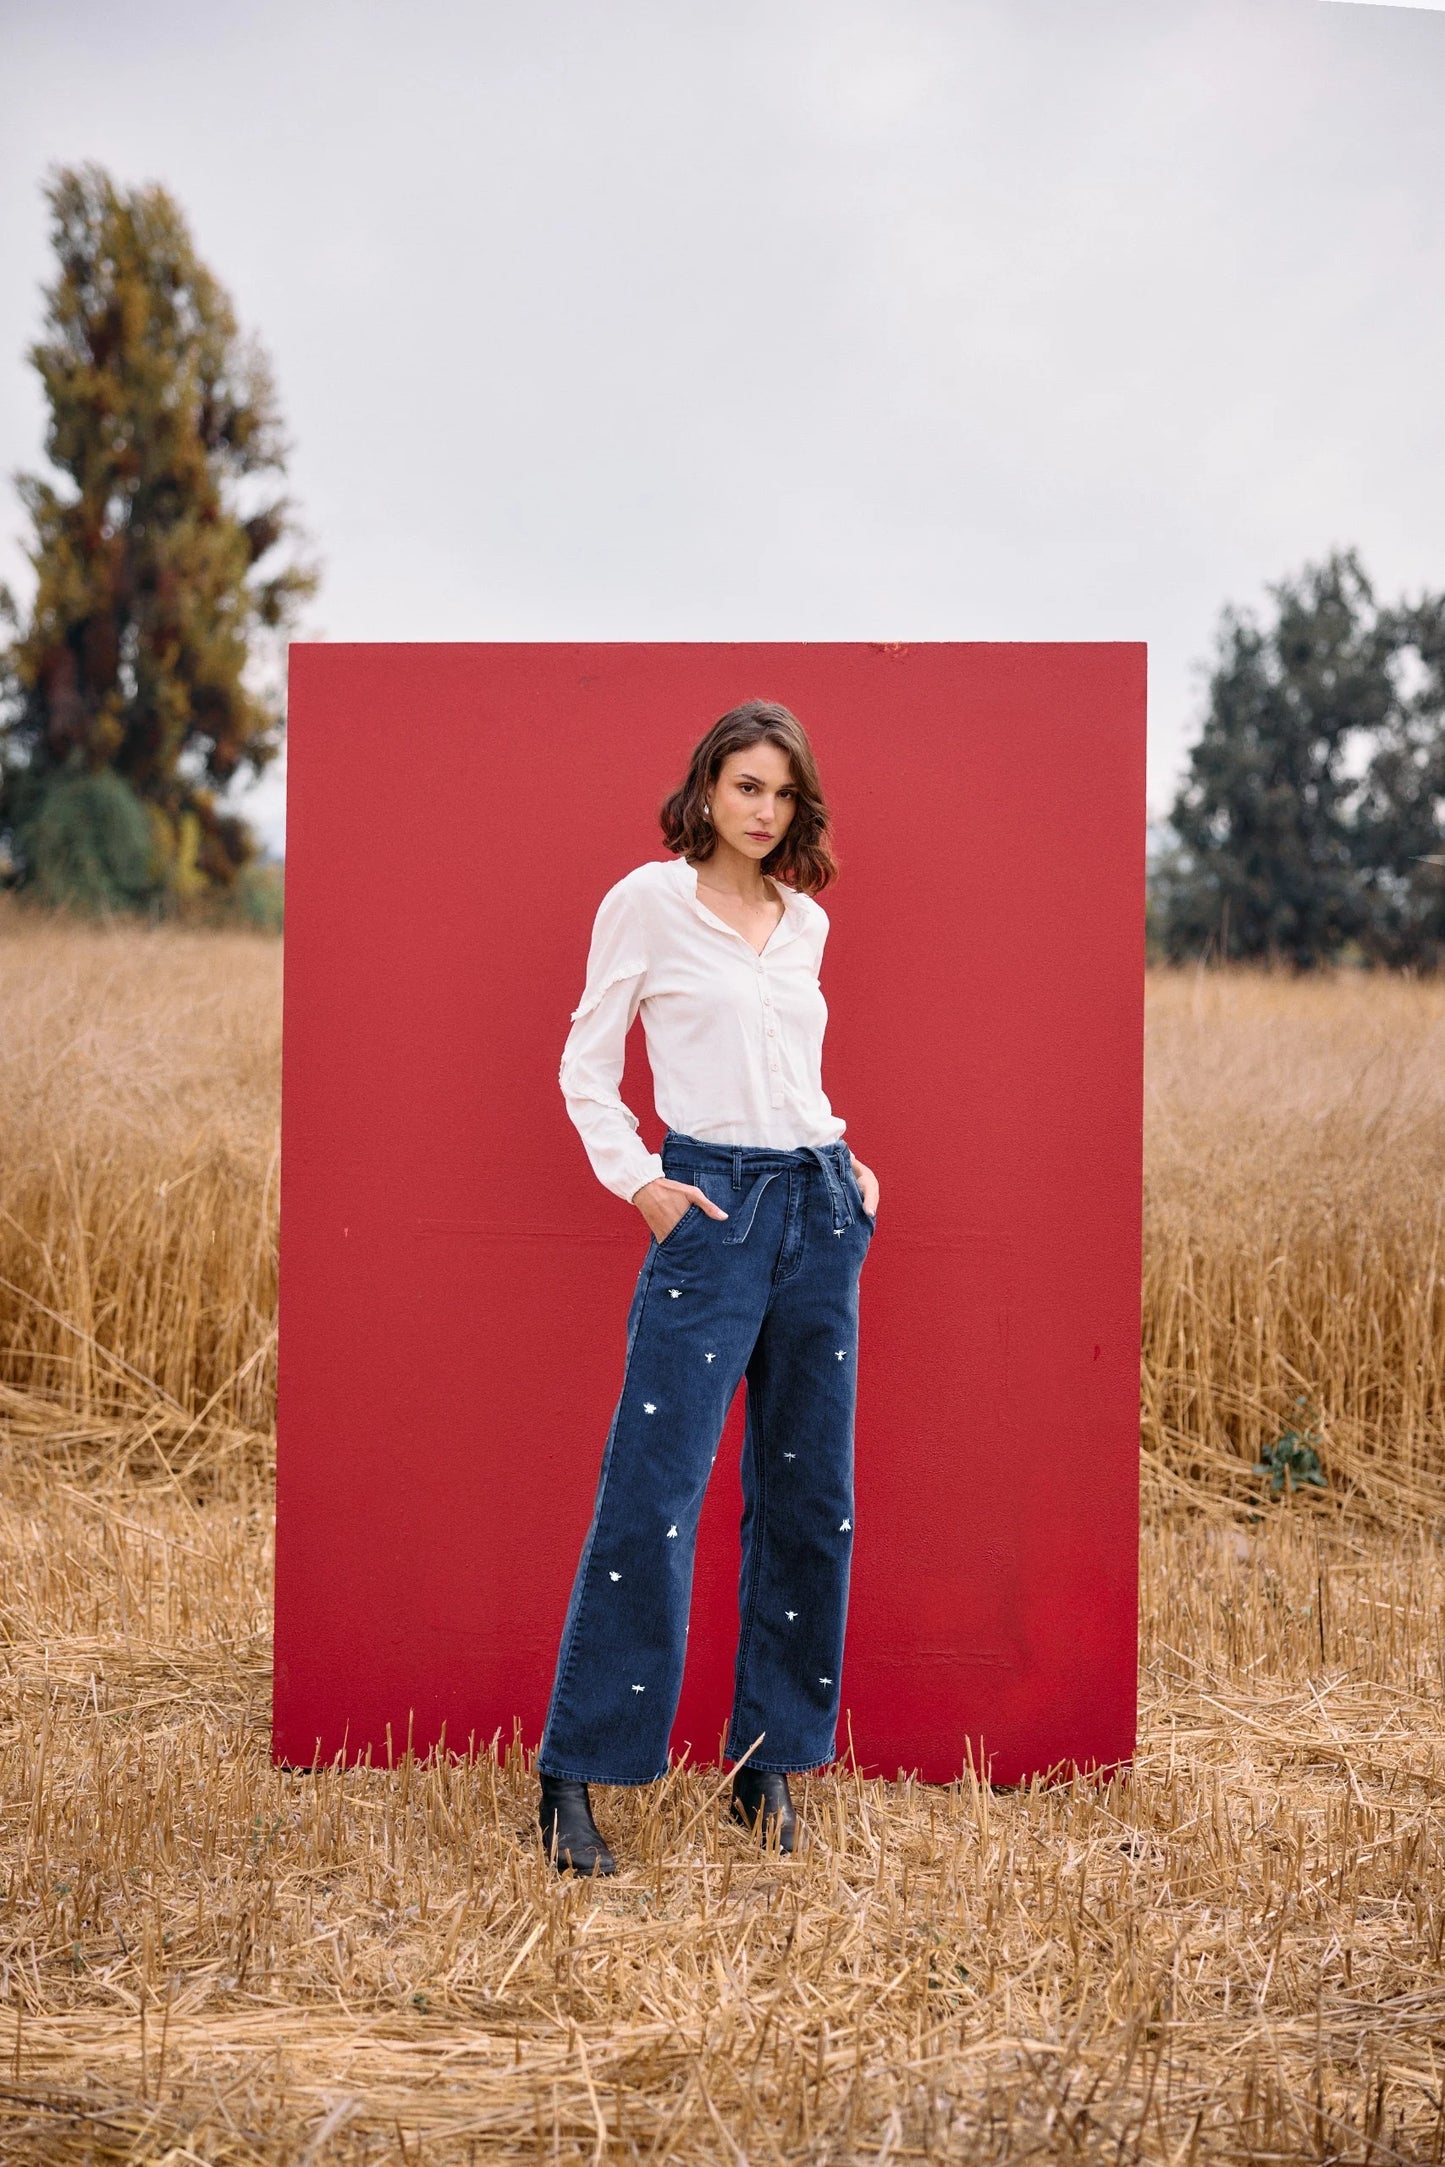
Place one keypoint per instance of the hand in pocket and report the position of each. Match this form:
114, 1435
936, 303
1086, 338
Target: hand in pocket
663, 1202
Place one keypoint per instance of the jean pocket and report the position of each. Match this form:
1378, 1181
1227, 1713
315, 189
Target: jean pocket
677, 1225
863, 1212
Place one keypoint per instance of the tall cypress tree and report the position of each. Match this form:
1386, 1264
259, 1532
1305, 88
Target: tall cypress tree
165, 561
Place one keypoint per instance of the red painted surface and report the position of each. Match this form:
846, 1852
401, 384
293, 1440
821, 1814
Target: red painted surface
455, 1282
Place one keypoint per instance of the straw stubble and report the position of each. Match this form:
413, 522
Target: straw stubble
1235, 1951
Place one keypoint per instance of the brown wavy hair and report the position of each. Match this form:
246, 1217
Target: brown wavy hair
804, 857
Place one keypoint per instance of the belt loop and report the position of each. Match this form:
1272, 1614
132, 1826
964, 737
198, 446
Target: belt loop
837, 1196
737, 1168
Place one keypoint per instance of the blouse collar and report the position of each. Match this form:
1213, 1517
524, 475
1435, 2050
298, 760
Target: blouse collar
790, 924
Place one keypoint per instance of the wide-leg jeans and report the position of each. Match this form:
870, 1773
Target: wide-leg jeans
771, 1294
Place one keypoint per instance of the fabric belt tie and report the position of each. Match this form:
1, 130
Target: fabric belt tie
743, 1217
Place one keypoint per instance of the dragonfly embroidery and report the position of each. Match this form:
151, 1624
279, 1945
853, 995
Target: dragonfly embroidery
821, 1681
790, 1455
639, 1689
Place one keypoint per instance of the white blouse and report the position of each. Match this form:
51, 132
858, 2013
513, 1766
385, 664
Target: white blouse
735, 1039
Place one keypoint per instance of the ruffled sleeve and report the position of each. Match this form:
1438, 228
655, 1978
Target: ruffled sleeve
593, 1057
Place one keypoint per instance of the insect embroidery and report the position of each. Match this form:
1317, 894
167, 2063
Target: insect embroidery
842, 1354
844, 1526
614, 1576
790, 1615
649, 1407
790, 1455
674, 1292
672, 1531
639, 1689
709, 1358
821, 1681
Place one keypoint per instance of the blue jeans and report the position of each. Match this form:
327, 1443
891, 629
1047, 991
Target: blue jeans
770, 1293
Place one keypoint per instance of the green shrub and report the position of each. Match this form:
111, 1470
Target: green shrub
259, 895
88, 844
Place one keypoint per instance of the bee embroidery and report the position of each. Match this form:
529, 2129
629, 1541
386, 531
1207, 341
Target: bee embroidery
844, 1526
842, 1354
790, 1615
614, 1576
709, 1358
673, 1293
672, 1531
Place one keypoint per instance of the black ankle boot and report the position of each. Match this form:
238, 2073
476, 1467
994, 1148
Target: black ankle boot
761, 1802
569, 1833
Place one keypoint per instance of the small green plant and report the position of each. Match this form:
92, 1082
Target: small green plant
1292, 1462
87, 842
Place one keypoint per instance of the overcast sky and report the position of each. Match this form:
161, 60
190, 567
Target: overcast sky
853, 319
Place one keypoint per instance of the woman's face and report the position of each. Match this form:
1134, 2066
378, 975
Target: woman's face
753, 799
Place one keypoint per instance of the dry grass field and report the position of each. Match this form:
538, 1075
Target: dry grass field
1236, 1952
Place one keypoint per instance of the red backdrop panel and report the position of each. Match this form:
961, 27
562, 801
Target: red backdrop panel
455, 1282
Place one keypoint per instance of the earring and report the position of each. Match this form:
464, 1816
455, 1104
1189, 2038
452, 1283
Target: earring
707, 810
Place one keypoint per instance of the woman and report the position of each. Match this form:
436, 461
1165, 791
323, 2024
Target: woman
760, 1219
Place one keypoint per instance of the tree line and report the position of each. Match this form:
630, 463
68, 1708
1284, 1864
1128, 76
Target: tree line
145, 675
1308, 826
